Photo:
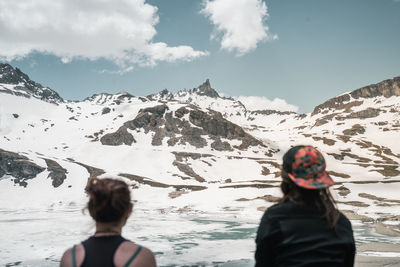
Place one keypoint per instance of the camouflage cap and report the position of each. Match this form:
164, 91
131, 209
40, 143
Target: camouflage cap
308, 168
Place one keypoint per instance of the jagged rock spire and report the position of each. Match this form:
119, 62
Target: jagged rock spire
205, 89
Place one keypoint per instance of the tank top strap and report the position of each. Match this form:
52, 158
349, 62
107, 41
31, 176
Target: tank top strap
131, 259
74, 256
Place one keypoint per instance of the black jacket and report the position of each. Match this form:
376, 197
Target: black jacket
292, 235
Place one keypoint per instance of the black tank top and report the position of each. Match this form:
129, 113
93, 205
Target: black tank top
100, 250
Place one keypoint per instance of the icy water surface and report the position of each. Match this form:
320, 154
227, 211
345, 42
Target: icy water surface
38, 238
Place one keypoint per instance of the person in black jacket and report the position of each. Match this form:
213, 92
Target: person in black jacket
304, 228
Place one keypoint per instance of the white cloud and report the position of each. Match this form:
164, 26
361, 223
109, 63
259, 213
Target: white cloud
241, 23
261, 103
118, 30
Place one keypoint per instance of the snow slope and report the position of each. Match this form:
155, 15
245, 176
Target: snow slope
184, 192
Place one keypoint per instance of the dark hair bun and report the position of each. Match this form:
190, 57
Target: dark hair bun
109, 199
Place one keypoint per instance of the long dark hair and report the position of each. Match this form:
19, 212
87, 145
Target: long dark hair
109, 199
317, 198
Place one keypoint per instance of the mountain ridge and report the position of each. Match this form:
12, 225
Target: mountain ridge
201, 121
21, 84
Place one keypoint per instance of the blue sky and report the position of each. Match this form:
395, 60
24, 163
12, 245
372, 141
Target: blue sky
301, 51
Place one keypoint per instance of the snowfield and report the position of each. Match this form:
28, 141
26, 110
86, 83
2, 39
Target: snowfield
193, 204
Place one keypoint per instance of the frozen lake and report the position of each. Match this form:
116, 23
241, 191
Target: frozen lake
38, 237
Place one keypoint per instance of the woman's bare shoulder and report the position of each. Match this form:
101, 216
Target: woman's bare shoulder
127, 249
66, 260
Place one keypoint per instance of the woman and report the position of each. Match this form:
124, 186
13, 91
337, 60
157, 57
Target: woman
110, 206
304, 228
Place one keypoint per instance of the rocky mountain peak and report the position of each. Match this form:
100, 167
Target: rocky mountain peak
386, 88
206, 90
9, 75
164, 94
22, 85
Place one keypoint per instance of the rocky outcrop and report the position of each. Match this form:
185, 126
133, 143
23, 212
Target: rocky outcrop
56, 172
216, 125
152, 183
364, 114
333, 103
105, 110
221, 146
270, 112
387, 88
93, 171
186, 169
163, 95
120, 137
354, 130
23, 86
18, 166
206, 90
181, 130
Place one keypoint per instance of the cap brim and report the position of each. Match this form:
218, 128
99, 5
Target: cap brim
321, 182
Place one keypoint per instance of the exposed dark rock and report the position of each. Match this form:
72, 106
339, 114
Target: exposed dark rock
192, 136
265, 171
148, 181
221, 146
206, 90
157, 110
216, 125
179, 130
181, 112
344, 154
56, 172
163, 95
338, 174
354, 130
15, 116
25, 86
180, 156
105, 110
101, 98
379, 151
343, 191
182, 164
268, 198
364, 114
18, 166
326, 141
125, 95
186, 169
147, 117
387, 88
141, 120
120, 137
248, 185
270, 112
385, 170
344, 138
301, 116
338, 103
325, 119
93, 171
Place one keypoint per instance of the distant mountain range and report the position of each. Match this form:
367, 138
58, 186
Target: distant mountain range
191, 139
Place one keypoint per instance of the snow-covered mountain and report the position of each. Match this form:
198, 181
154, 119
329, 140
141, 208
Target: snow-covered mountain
15, 82
193, 150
